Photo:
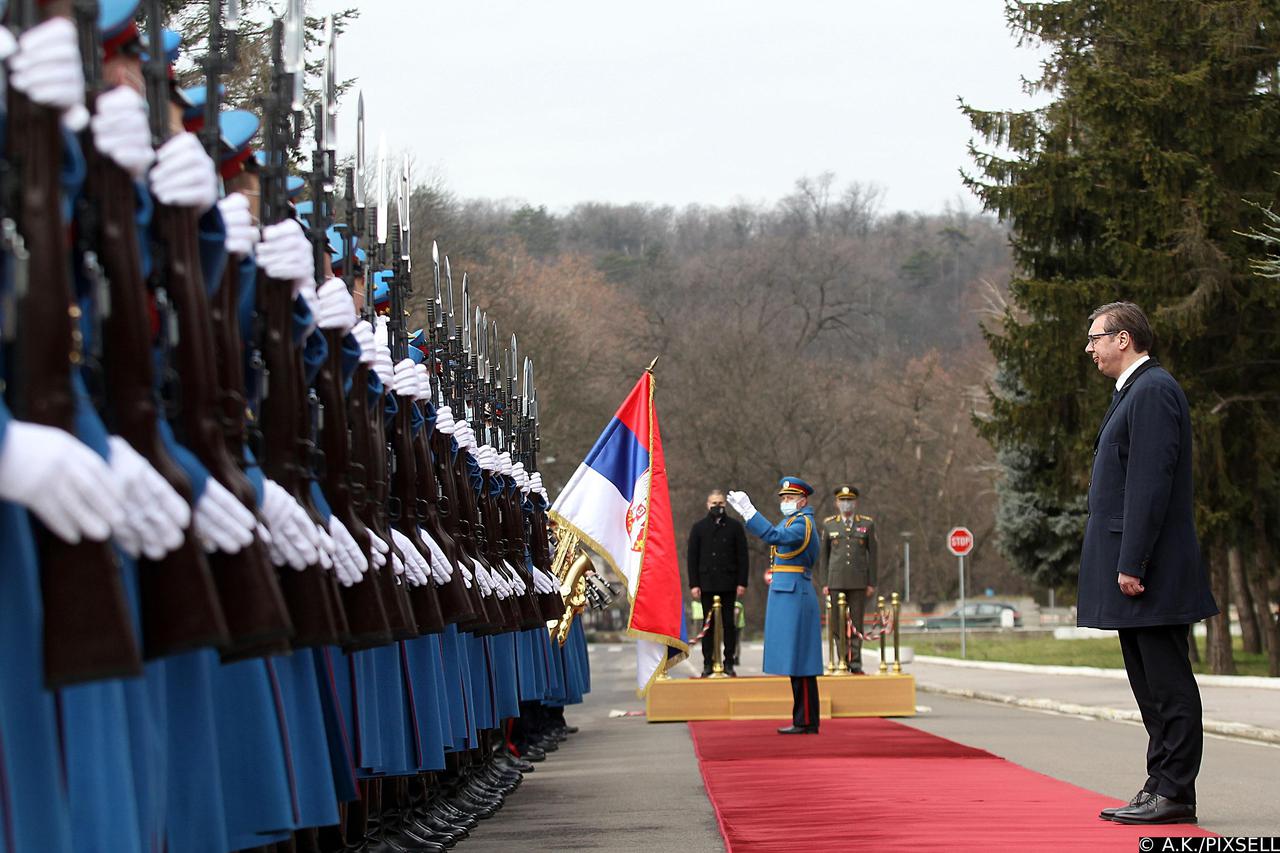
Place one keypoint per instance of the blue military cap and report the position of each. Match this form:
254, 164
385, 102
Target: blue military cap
116, 21
381, 287
418, 338
417, 355
794, 486
193, 100
236, 129
293, 187
171, 42
302, 210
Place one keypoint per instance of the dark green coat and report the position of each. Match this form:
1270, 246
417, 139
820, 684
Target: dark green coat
848, 552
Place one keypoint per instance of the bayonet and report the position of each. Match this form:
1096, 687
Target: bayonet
404, 214
295, 49
383, 214
359, 187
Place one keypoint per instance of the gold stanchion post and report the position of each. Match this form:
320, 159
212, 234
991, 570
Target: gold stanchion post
842, 665
897, 648
830, 639
717, 628
884, 666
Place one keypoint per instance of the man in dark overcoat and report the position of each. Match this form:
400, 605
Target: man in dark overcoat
1140, 571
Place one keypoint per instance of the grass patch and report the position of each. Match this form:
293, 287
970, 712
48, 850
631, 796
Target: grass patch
1046, 651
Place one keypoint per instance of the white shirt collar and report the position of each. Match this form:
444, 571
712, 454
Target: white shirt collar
1124, 377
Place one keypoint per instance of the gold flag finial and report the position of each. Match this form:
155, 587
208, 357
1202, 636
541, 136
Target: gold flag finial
649, 369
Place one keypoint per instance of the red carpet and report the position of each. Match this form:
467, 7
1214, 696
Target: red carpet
877, 785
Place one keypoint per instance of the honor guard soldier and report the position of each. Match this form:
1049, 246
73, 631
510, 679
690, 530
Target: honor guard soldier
792, 630
849, 566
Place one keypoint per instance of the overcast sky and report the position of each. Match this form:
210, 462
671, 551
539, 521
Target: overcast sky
709, 101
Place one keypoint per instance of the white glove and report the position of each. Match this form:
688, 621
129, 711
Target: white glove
264, 535
484, 579
183, 175
325, 546
546, 581
521, 477
504, 464
486, 457
121, 132
363, 333
465, 436
285, 253
535, 484
397, 564
467, 576
378, 550
441, 570
337, 310
242, 233
222, 522
424, 381
444, 420
405, 379
8, 44
350, 562
47, 69
66, 485
156, 515
415, 565
292, 533
517, 582
501, 583
383, 367
741, 504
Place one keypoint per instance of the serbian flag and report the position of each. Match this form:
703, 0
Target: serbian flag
617, 504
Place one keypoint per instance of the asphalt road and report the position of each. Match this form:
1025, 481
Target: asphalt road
622, 784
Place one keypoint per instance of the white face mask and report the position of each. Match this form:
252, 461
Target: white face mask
789, 507
845, 506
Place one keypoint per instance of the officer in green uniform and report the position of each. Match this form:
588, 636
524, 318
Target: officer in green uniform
849, 566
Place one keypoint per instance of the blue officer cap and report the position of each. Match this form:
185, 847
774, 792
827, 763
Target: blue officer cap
417, 355
381, 286
794, 486
193, 99
114, 18
170, 41
294, 186
418, 338
236, 129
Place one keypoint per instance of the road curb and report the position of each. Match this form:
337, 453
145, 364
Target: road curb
1236, 730
1204, 680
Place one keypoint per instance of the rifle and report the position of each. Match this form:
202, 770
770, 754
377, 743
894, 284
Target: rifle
369, 451
362, 601
88, 629
425, 599
180, 609
286, 448
250, 600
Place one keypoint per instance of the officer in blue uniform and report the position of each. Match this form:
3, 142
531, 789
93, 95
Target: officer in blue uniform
792, 641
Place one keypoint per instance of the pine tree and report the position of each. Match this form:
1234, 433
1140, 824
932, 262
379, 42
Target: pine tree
1136, 182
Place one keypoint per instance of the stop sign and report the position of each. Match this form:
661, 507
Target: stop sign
960, 541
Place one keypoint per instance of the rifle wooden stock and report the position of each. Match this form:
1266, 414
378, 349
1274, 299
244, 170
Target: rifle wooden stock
455, 599
309, 593
180, 606
474, 537
251, 602
88, 629
425, 599
526, 612
450, 514
362, 601
368, 425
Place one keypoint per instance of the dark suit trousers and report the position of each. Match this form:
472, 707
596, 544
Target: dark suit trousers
1169, 699
804, 701
850, 648
730, 627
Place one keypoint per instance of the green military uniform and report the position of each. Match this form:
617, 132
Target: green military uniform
849, 553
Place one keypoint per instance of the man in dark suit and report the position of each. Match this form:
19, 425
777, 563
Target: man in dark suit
718, 565
1140, 570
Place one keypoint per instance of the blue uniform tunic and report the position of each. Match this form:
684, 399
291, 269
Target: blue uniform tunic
792, 627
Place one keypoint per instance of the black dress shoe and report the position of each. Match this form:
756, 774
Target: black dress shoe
798, 730
1138, 799
706, 673
573, 730
1157, 810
